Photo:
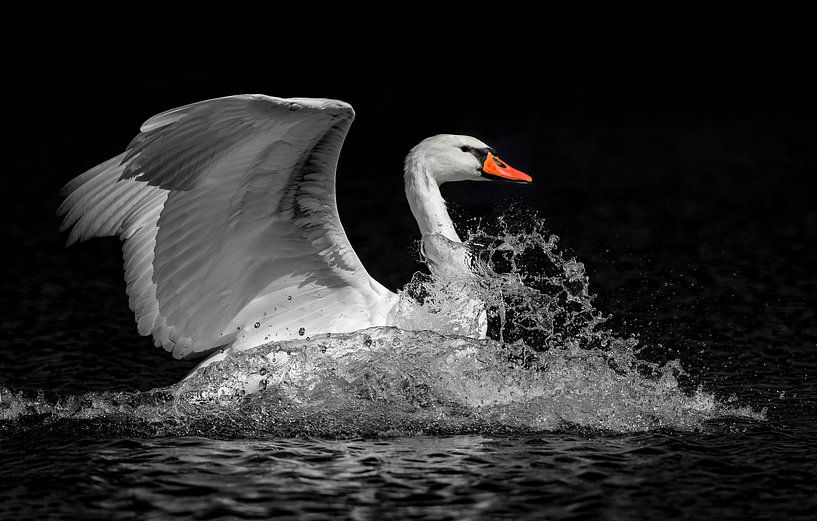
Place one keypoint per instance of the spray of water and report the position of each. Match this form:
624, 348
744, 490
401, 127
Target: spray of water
548, 362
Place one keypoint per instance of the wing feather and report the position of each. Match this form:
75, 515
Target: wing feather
227, 212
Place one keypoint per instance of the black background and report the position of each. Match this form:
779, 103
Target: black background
650, 140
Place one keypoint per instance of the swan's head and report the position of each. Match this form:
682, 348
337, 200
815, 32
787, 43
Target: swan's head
449, 157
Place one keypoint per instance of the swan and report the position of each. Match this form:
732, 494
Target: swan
229, 225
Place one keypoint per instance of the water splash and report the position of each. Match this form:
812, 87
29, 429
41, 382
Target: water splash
529, 291
548, 363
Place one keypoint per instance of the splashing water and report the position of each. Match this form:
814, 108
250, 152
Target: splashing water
529, 291
548, 363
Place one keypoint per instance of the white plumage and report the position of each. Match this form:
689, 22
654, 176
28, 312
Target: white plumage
230, 229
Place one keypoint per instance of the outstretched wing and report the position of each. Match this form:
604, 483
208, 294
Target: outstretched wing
228, 216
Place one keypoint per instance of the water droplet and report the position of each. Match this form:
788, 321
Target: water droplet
257, 325
301, 331
289, 297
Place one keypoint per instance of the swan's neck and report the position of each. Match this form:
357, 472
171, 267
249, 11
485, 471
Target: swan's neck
426, 201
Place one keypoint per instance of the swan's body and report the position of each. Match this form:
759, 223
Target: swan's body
231, 235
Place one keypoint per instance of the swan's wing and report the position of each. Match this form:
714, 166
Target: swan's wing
228, 216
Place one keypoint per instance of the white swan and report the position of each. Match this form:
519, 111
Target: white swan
231, 235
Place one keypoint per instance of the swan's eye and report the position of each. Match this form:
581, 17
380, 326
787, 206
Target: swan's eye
479, 153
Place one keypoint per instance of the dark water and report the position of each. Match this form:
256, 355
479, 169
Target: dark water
555, 475
697, 223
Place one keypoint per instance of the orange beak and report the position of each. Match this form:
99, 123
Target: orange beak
495, 167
